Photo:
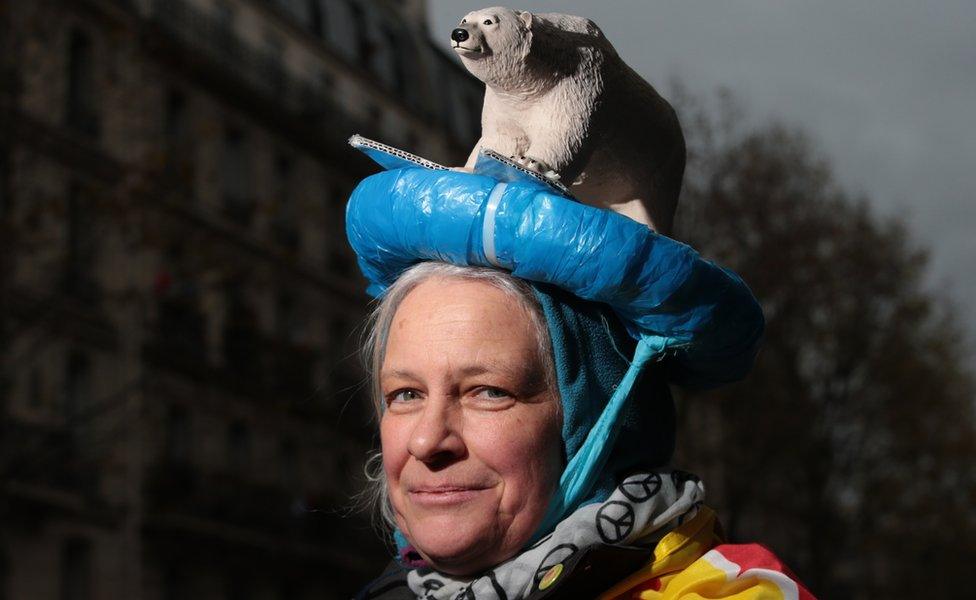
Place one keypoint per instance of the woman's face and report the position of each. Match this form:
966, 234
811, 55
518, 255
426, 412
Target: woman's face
471, 429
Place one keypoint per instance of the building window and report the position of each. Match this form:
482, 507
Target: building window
181, 325
238, 447
375, 115
175, 116
399, 49
80, 245
339, 264
316, 18
333, 255
340, 30
284, 167
364, 45
236, 588
286, 316
178, 435
338, 333
288, 591
4, 574
179, 147
77, 386
284, 224
243, 347
80, 112
223, 34
238, 203
35, 389
413, 142
175, 585
288, 468
225, 14
5, 198
332, 207
274, 61
326, 83
76, 570
302, 11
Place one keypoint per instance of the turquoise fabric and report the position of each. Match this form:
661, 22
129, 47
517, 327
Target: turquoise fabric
618, 414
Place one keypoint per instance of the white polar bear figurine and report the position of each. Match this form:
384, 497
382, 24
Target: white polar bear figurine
559, 99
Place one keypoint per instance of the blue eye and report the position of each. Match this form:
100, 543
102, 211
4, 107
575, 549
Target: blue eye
403, 396
490, 393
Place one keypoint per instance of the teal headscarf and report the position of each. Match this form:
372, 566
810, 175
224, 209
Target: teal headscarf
592, 352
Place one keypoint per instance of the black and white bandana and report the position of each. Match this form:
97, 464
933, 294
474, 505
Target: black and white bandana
639, 512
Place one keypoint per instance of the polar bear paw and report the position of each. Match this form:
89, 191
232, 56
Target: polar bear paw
537, 166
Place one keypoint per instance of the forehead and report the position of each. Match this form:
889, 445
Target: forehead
461, 317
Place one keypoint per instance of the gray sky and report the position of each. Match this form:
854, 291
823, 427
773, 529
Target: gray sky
887, 88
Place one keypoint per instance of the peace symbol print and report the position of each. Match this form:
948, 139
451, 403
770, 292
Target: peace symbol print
559, 554
465, 594
614, 521
431, 585
430, 588
641, 488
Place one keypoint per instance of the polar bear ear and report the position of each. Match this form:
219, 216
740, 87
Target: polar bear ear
526, 17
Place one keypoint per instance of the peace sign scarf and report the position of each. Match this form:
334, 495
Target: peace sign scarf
642, 509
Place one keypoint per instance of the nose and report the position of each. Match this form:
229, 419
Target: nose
459, 35
436, 435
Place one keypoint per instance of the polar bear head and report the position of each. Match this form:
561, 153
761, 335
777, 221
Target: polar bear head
493, 42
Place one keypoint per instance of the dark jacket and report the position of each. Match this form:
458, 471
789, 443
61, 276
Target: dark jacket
585, 575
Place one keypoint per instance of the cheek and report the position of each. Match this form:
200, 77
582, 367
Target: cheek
525, 452
393, 443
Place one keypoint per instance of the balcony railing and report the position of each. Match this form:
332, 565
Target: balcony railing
179, 338
46, 455
196, 28
255, 365
211, 41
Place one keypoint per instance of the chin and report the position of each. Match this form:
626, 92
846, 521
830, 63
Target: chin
468, 536
457, 545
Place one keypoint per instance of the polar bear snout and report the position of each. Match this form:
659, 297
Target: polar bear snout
469, 41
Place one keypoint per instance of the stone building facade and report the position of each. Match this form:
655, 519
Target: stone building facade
181, 407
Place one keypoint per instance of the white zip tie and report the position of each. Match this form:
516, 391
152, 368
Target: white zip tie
488, 226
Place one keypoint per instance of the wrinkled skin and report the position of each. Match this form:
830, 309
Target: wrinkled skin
471, 428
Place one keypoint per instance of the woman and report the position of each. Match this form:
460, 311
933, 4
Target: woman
513, 463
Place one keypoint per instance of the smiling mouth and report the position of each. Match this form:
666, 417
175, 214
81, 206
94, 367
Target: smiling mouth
444, 496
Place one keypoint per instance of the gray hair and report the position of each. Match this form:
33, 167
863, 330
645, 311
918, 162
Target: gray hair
375, 497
